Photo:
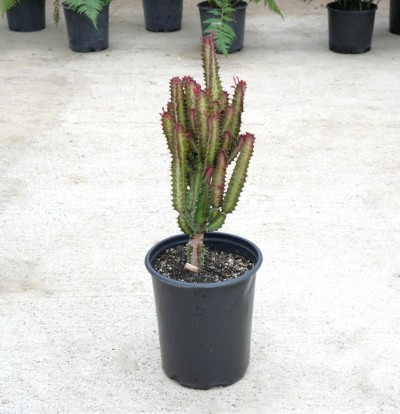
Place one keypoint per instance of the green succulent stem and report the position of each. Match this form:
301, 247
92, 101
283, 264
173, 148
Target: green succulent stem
202, 127
195, 252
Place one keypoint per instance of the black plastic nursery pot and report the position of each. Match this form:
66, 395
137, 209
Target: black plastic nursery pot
238, 24
27, 16
205, 328
350, 31
82, 35
394, 17
163, 15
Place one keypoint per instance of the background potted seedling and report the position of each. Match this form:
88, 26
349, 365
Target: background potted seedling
24, 15
351, 25
163, 15
87, 23
226, 19
204, 280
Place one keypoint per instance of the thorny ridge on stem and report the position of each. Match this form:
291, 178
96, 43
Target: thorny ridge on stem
202, 129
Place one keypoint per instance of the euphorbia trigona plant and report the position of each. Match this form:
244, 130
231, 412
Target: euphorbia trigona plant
202, 127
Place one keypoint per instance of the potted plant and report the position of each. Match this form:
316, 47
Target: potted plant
226, 19
351, 25
163, 15
87, 23
204, 280
394, 17
24, 15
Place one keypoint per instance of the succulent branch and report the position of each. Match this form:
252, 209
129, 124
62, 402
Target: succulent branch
202, 129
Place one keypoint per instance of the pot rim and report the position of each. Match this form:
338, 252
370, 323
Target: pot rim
330, 6
216, 236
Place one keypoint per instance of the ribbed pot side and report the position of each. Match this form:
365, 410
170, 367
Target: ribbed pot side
82, 35
350, 31
205, 328
163, 15
27, 16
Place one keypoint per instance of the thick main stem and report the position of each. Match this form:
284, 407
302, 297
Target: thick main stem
196, 252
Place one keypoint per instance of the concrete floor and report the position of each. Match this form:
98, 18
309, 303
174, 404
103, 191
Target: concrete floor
85, 193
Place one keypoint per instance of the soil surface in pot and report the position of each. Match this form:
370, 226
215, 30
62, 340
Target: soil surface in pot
219, 265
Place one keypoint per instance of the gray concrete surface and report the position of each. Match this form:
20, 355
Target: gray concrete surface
85, 192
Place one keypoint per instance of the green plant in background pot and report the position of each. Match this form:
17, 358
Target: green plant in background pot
87, 23
24, 15
226, 19
6, 5
351, 25
89, 8
204, 280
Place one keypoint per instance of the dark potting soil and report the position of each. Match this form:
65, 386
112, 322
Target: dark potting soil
219, 265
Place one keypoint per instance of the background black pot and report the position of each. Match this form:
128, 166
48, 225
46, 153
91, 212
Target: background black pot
163, 15
27, 16
83, 36
238, 25
394, 16
205, 328
350, 31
